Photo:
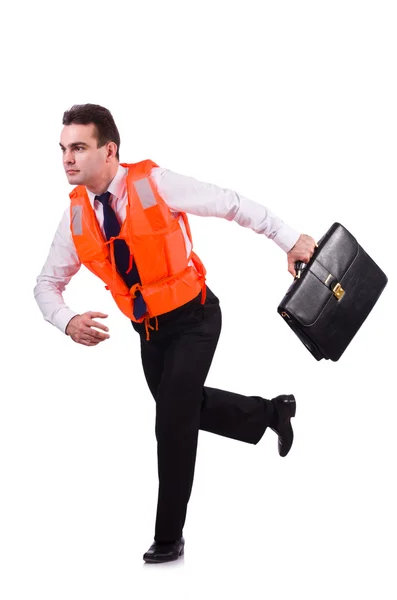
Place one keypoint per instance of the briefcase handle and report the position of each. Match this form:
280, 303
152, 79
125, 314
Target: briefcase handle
299, 266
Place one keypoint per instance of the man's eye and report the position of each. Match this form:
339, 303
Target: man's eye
79, 148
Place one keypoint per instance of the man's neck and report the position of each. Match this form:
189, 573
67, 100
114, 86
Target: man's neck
102, 185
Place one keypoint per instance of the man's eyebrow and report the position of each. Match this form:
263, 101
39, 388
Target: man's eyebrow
75, 144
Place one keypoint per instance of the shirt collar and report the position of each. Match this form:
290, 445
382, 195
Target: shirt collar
116, 186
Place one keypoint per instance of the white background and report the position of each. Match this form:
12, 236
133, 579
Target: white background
292, 104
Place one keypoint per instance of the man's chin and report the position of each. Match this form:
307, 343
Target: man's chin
75, 178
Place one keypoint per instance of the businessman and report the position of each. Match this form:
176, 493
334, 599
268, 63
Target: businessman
128, 224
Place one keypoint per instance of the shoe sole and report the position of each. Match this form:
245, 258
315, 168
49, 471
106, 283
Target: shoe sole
162, 560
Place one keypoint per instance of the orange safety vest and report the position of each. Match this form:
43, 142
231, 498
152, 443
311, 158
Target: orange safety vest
155, 241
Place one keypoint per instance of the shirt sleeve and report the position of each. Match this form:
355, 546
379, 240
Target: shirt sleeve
61, 264
189, 195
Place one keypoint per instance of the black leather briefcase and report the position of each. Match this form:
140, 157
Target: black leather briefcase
333, 294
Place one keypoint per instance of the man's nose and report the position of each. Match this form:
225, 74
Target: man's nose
68, 157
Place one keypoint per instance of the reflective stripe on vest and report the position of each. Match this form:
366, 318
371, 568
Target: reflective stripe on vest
145, 192
77, 220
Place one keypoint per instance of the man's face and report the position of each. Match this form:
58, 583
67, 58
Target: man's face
83, 161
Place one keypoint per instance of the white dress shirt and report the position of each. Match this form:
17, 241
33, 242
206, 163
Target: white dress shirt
181, 193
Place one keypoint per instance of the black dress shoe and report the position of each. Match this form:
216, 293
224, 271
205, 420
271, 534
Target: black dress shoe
159, 552
285, 407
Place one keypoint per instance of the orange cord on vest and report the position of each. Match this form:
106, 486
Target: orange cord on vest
148, 326
129, 264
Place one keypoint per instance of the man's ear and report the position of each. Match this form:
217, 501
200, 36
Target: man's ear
111, 150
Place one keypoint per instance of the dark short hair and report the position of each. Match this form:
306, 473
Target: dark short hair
84, 114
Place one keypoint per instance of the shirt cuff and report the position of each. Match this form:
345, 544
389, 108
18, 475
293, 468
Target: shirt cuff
286, 237
62, 318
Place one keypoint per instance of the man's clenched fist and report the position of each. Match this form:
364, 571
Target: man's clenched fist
303, 250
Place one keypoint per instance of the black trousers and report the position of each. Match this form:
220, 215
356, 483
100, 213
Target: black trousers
176, 361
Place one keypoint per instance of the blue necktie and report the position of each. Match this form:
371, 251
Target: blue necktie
112, 228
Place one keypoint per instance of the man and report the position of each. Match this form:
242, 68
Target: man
128, 225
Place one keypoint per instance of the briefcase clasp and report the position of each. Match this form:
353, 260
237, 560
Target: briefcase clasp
338, 291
